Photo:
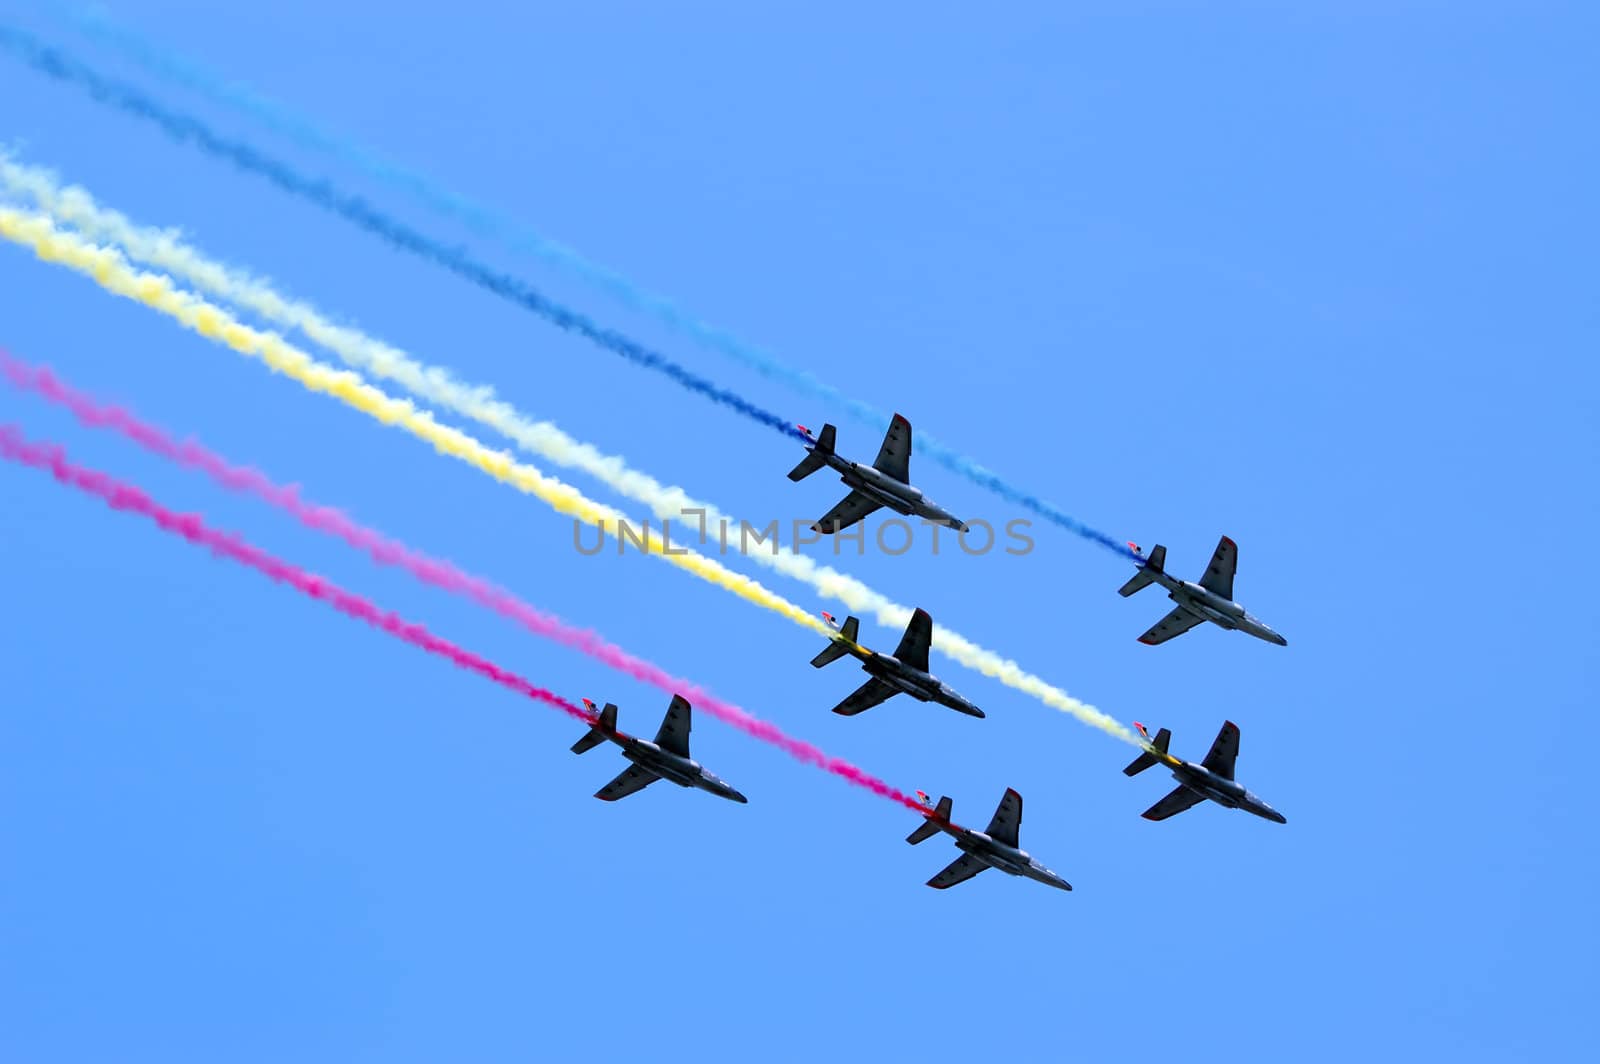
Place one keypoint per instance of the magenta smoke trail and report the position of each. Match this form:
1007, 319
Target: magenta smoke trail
440, 574
126, 497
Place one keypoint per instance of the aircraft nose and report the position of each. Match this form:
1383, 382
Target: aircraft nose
1051, 879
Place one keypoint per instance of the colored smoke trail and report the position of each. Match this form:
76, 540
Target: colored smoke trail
486, 222
109, 270
76, 207
123, 496
352, 208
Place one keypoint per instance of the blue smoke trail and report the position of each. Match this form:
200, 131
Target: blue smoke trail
183, 128
97, 25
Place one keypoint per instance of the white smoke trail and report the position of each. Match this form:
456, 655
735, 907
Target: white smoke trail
165, 249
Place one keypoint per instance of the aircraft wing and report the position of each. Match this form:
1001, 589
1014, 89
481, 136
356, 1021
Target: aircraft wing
633, 778
960, 870
1173, 624
1224, 751
894, 457
1180, 799
1219, 574
865, 697
913, 648
1007, 819
674, 734
851, 508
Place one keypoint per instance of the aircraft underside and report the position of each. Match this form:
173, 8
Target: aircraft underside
990, 858
904, 686
668, 774
1208, 613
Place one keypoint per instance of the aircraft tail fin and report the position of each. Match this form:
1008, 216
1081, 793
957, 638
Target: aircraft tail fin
604, 726
836, 649
816, 458
1146, 759
1142, 579
930, 827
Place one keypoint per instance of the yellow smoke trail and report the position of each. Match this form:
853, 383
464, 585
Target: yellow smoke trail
75, 206
112, 273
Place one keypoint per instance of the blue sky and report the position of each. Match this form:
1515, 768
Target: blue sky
1318, 280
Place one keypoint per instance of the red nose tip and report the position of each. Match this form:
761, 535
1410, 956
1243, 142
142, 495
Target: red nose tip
803, 429
1135, 547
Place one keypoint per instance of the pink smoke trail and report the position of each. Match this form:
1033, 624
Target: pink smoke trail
383, 550
126, 497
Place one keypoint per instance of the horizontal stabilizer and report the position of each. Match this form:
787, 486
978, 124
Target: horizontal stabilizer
808, 465
593, 739
605, 725
817, 457
836, 649
1142, 579
1136, 583
930, 827
1146, 759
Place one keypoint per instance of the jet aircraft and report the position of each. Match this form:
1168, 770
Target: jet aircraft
1211, 778
994, 848
906, 671
1209, 600
665, 759
886, 482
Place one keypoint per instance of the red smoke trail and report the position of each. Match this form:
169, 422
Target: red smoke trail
387, 551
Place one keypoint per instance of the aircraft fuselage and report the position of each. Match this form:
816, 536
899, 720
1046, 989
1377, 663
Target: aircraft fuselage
1006, 858
1224, 792
923, 686
683, 771
670, 767
1223, 612
897, 495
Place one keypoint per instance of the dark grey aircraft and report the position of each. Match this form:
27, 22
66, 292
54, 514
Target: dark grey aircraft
1211, 778
904, 672
886, 482
1209, 600
994, 848
665, 759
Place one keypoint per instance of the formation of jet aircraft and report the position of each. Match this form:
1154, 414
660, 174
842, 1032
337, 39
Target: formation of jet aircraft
886, 483
903, 672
